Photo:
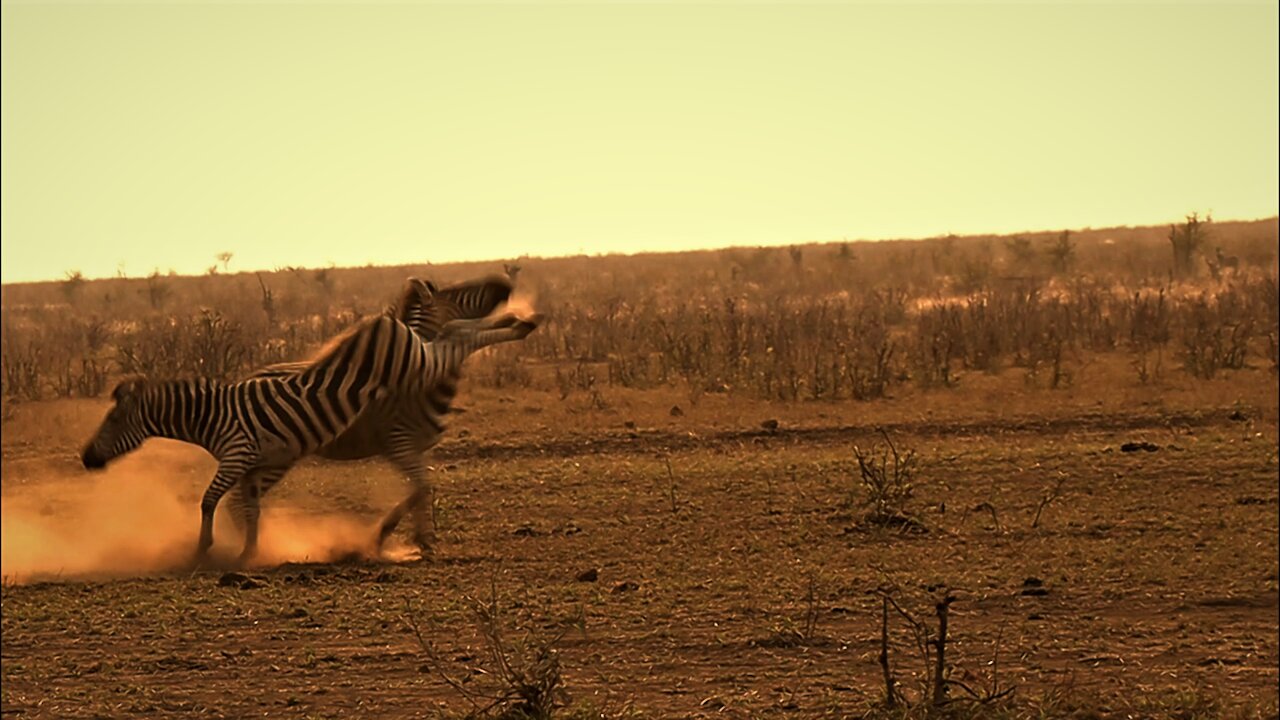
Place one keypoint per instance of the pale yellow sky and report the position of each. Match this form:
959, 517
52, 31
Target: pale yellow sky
157, 135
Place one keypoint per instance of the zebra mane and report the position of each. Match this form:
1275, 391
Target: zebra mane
137, 383
500, 280
128, 385
410, 296
333, 344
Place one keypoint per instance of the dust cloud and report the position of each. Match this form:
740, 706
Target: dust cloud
522, 304
142, 515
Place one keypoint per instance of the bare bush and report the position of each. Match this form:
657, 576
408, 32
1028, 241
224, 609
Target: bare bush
930, 695
1213, 338
886, 478
521, 676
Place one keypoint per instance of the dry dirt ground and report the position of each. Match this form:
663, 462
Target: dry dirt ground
1148, 588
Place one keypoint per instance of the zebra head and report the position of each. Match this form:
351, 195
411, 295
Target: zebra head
463, 327
478, 298
415, 303
427, 309
123, 430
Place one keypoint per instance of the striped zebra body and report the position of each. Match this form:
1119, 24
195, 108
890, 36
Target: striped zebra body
403, 427
258, 428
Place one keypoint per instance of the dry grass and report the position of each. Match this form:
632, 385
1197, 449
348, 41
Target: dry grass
1158, 568
651, 561
855, 321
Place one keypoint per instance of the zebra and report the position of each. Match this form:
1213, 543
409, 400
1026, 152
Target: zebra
403, 427
258, 428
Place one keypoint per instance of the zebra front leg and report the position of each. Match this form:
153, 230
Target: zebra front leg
391, 522
227, 476
420, 502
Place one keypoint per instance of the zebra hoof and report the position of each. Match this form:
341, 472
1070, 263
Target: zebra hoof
425, 544
199, 561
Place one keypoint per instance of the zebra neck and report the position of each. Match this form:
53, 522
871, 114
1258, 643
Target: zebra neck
459, 349
443, 392
187, 410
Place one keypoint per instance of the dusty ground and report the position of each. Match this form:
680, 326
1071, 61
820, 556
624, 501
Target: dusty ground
1150, 583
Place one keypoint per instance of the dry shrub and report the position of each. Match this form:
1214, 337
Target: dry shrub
519, 679
851, 322
1213, 336
886, 479
205, 344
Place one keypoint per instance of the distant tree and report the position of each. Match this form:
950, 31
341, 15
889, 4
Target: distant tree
211, 270
224, 257
1186, 241
158, 290
797, 256
72, 284
268, 300
1021, 251
324, 278
1062, 253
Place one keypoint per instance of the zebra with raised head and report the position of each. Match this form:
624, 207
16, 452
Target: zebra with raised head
258, 428
401, 428
427, 309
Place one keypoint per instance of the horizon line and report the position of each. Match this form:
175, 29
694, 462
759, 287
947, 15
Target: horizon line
622, 253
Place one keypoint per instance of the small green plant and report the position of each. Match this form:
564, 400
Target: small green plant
803, 633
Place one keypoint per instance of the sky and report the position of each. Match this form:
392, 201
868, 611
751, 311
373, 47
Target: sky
155, 136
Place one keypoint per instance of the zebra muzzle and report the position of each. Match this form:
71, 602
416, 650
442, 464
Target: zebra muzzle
92, 459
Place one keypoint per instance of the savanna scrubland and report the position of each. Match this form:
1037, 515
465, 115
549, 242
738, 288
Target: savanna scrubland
744, 482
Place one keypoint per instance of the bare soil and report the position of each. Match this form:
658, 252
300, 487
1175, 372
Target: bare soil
1152, 576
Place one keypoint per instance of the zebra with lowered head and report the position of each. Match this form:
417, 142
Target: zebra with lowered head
401, 428
259, 427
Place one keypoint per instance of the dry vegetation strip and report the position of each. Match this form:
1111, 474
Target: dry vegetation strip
852, 321
1090, 419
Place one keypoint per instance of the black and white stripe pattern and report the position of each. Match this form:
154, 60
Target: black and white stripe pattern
258, 428
403, 427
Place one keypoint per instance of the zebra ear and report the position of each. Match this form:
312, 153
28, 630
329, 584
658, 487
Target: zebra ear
420, 286
127, 388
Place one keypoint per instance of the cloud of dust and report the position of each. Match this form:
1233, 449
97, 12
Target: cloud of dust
522, 303
141, 517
